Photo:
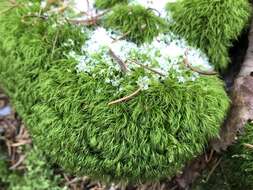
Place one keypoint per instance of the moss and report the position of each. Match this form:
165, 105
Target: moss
140, 24
211, 25
235, 171
3, 174
149, 137
37, 176
105, 4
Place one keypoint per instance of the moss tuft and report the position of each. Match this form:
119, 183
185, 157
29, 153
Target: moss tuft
140, 24
149, 137
105, 4
38, 174
211, 25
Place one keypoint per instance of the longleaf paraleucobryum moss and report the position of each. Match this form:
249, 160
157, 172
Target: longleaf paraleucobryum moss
212, 26
65, 101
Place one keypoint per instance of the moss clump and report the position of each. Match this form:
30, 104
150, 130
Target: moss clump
236, 169
105, 4
37, 176
211, 25
149, 137
140, 24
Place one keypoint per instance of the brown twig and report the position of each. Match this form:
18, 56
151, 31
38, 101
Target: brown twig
248, 145
21, 143
154, 10
126, 98
23, 19
147, 68
213, 169
197, 70
90, 21
18, 163
121, 37
122, 65
209, 158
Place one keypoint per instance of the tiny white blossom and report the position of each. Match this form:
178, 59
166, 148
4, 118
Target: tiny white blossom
43, 4
30, 4
181, 79
143, 82
72, 54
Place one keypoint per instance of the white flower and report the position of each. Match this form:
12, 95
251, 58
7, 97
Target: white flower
43, 4
165, 53
72, 54
30, 4
172, 51
143, 82
198, 59
181, 79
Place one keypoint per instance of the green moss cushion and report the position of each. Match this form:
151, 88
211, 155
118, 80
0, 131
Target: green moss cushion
139, 24
61, 89
211, 25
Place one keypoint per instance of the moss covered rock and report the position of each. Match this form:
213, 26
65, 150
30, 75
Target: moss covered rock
62, 78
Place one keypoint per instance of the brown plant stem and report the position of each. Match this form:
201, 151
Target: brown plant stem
122, 65
148, 68
197, 70
126, 98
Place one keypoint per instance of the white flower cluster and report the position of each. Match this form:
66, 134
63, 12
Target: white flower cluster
164, 55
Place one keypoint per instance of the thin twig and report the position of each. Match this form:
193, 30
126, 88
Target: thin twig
121, 37
77, 179
66, 178
148, 68
90, 21
13, 1
24, 142
210, 156
248, 145
33, 16
197, 70
18, 163
154, 10
122, 65
213, 169
126, 98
